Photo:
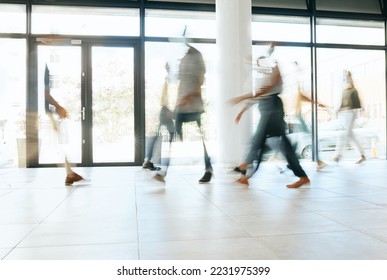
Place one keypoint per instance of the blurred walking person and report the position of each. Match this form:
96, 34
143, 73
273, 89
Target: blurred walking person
52, 108
165, 120
350, 104
271, 123
189, 104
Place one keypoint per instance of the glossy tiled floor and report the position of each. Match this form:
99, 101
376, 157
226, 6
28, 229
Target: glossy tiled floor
122, 213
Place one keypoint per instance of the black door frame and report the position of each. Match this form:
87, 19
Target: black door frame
32, 97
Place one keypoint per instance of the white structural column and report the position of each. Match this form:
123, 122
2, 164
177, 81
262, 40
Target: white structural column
233, 42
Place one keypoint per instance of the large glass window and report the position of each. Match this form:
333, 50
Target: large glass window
12, 18
280, 28
368, 75
12, 102
338, 31
161, 23
85, 21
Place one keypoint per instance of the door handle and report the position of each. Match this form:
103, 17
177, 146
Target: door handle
83, 113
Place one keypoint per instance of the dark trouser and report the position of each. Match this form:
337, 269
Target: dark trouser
181, 118
271, 123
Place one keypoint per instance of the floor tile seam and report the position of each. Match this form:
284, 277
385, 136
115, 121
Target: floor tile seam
342, 196
346, 209
223, 212
267, 246
252, 238
4, 195
27, 234
349, 181
362, 232
18, 185
343, 210
7, 171
301, 198
38, 224
319, 213
367, 201
240, 234
356, 194
304, 233
194, 240
9, 250
137, 219
76, 245
18, 224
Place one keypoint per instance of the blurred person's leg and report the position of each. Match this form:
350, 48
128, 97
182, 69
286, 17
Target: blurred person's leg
179, 125
294, 164
67, 146
207, 161
148, 164
342, 139
162, 172
255, 151
351, 135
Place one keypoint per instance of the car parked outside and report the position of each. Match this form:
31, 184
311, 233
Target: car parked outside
328, 134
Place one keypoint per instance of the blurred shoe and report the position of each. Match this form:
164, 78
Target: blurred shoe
362, 158
302, 181
159, 177
72, 178
244, 180
237, 169
150, 166
320, 165
206, 177
336, 159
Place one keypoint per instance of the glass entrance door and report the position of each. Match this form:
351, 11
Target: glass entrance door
95, 85
112, 104
60, 68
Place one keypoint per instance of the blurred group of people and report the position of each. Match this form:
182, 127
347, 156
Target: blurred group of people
266, 96
267, 89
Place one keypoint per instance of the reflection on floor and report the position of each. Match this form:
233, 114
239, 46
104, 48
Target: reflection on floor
122, 213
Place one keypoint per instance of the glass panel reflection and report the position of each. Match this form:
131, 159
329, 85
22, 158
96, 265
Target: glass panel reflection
368, 76
281, 28
339, 31
85, 21
369, 6
64, 64
161, 23
113, 104
12, 103
12, 18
